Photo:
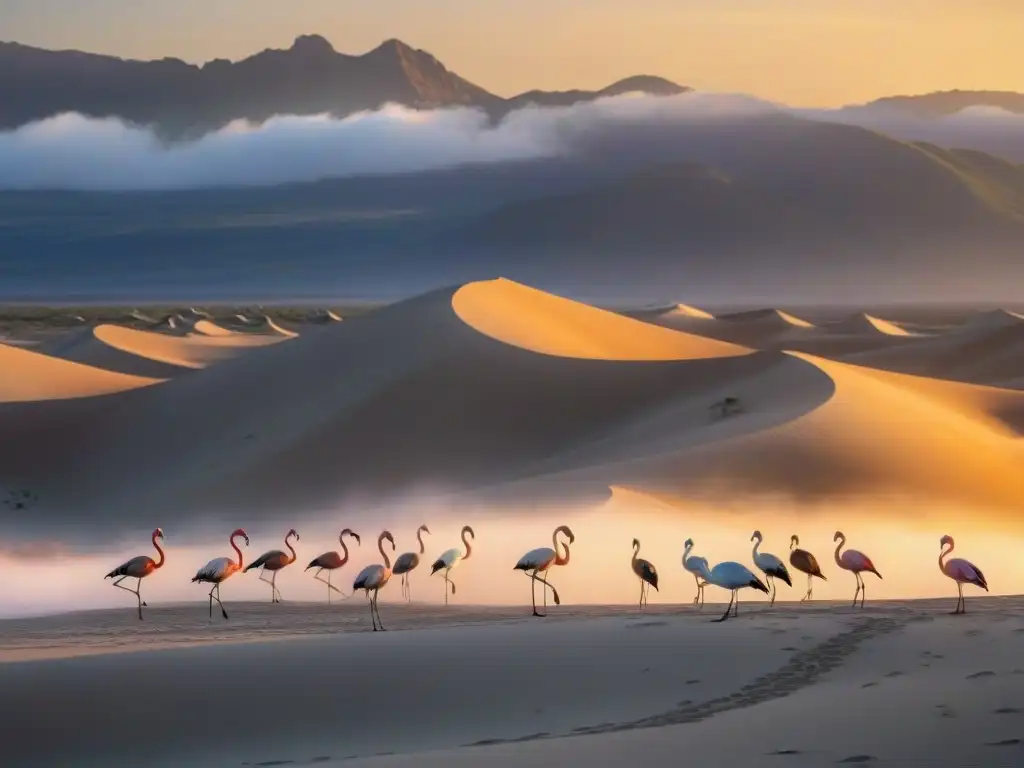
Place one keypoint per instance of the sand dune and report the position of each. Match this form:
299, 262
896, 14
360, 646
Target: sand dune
210, 328
987, 349
191, 352
775, 318
493, 387
671, 311
525, 317
29, 376
865, 323
879, 435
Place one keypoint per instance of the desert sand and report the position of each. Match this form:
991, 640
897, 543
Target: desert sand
495, 387
297, 685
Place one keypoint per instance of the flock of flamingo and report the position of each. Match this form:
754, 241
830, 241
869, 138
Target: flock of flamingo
535, 564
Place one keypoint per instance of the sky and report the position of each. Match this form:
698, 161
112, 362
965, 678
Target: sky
802, 52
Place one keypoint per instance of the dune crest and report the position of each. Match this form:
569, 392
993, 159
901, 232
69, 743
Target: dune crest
30, 376
865, 323
185, 352
770, 317
542, 322
209, 328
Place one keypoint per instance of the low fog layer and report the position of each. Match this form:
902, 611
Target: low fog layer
75, 152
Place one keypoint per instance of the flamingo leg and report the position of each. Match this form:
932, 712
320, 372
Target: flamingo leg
771, 583
547, 585
728, 608
138, 588
369, 604
736, 606
216, 588
376, 607
533, 591
810, 589
959, 599
408, 589
696, 580
702, 585
330, 586
641, 593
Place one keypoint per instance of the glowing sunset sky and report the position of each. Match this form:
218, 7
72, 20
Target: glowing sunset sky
804, 52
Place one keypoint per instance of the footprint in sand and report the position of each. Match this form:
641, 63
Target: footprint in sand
979, 675
791, 649
1006, 711
869, 685
859, 759
894, 673
1003, 743
693, 682
973, 632
785, 752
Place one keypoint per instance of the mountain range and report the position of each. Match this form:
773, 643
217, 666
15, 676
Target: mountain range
182, 100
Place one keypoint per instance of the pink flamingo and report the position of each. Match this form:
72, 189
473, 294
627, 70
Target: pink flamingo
855, 561
961, 571
274, 561
138, 568
219, 569
408, 562
331, 561
373, 577
539, 561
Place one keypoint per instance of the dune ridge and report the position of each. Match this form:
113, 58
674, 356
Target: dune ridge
541, 322
30, 376
185, 352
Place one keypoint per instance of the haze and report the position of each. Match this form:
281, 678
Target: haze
856, 50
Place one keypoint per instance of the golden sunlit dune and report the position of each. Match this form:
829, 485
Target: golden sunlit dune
541, 322
865, 323
987, 349
880, 436
210, 328
30, 376
775, 318
185, 352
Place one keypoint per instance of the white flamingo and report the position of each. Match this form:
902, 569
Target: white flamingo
408, 562
220, 569
961, 571
734, 577
696, 566
772, 567
138, 568
539, 561
451, 558
373, 577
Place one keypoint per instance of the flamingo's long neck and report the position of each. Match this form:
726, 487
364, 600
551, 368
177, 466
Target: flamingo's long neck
287, 543
793, 542
380, 546
687, 550
344, 549
945, 553
840, 545
159, 562
419, 538
559, 560
757, 543
469, 547
636, 551
235, 547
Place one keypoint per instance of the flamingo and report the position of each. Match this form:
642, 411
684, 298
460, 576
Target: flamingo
409, 561
274, 561
855, 561
645, 570
693, 565
961, 571
220, 569
734, 577
330, 561
539, 561
804, 562
373, 577
451, 558
138, 568
772, 567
